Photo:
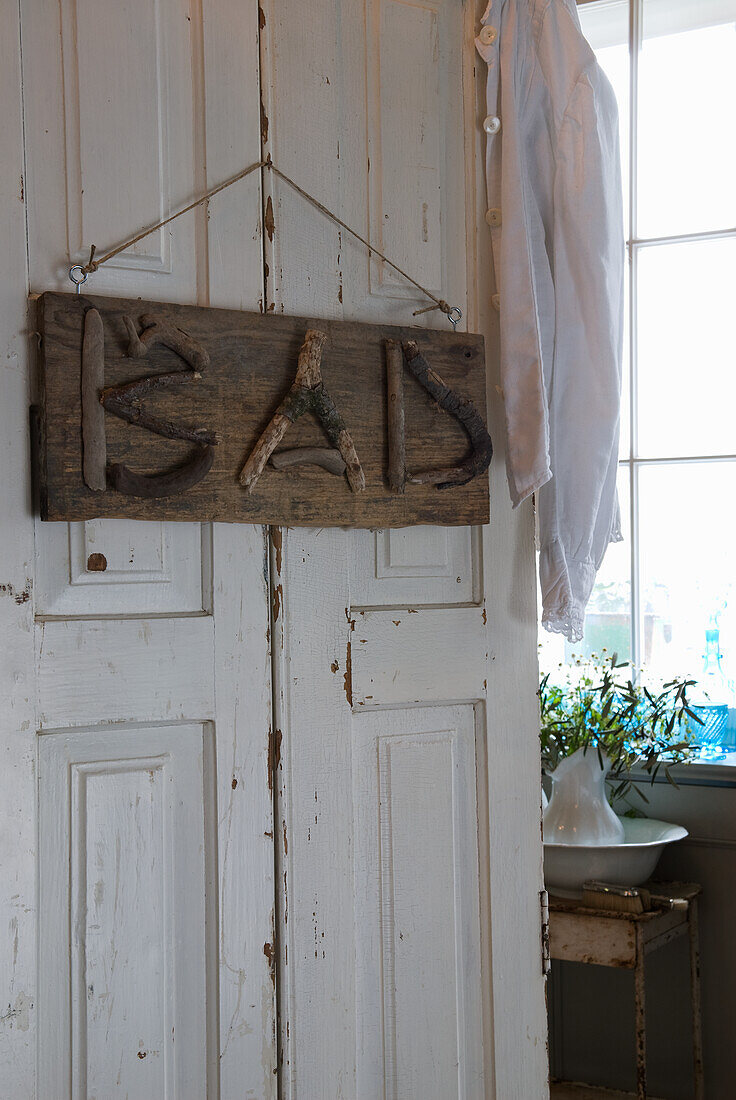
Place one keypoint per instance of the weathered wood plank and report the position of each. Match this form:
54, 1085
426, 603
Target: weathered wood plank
253, 359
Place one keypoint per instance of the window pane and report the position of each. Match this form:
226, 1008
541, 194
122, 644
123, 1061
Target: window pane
608, 618
687, 534
687, 92
686, 349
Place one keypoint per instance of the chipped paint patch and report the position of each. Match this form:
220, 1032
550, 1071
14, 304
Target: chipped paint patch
274, 755
277, 537
268, 219
20, 597
18, 1014
348, 677
264, 125
269, 951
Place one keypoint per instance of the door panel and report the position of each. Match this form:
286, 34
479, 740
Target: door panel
375, 85
421, 565
118, 566
143, 114
413, 61
152, 639
117, 114
125, 670
385, 977
124, 811
397, 817
418, 969
430, 655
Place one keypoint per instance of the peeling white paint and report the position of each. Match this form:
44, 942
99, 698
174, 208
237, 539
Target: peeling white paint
18, 1014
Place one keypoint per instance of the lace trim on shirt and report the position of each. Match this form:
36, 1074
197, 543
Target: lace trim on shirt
566, 586
569, 621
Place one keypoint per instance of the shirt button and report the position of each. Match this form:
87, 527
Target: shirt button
493, 217
496, 302
488, 35
492, 124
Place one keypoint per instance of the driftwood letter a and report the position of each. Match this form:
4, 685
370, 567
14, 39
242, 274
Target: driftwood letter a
307, 393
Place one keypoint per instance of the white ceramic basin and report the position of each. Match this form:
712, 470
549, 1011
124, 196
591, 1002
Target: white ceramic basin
568, 866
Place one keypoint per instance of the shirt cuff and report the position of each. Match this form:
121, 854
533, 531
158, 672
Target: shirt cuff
532, 485
566, 586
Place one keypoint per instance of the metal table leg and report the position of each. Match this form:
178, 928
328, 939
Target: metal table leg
692, 929
641, 1024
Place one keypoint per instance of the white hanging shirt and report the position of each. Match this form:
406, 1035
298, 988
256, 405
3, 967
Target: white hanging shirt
555, 212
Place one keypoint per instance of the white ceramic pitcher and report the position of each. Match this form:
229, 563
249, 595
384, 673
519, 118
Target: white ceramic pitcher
578, 810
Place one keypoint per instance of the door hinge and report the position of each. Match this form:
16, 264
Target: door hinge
544, 906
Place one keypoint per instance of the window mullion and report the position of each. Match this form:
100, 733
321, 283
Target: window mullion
679, 460
635, 39
682, 238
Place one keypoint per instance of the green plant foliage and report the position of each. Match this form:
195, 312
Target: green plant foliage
594, 705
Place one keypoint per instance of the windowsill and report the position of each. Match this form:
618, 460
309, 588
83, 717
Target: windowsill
702, 773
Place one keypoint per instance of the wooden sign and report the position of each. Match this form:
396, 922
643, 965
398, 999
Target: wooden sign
159, 411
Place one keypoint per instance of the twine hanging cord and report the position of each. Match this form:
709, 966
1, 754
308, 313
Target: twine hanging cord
453, 313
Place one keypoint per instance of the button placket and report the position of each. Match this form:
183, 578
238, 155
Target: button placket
486, 39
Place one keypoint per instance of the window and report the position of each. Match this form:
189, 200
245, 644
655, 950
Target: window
673, 66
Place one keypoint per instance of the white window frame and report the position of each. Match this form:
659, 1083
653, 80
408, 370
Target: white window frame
694, 13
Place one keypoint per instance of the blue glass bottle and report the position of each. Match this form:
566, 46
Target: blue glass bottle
711, 700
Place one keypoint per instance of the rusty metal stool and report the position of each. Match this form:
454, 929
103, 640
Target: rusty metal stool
584, 935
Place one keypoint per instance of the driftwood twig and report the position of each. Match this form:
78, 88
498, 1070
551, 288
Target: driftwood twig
464, 411
134, 414
328, 458
307, 394
122, 401
161, 332
94, 447
396, 427
150, 486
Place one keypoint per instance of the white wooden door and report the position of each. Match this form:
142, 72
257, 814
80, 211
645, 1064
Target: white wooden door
137, 728
405, 665
135, 684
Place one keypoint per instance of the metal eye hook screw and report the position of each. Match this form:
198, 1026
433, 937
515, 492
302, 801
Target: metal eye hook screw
455, 315
84, 275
